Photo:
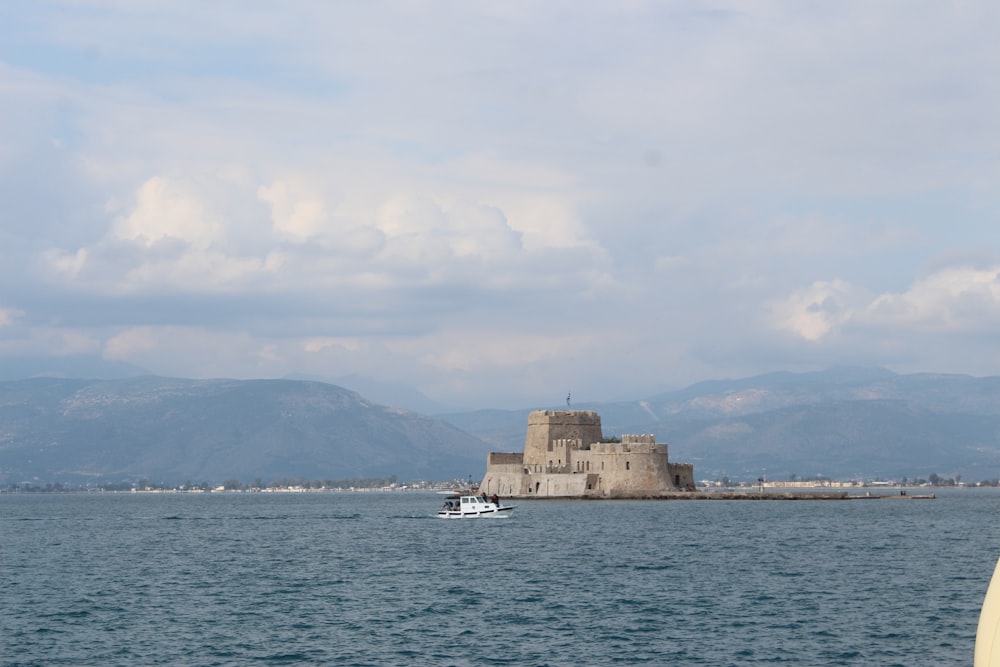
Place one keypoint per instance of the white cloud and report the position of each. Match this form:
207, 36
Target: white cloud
300, 217
196, 271
957, 299
422, 231
960, 299
818, 310
164, 210
65, 264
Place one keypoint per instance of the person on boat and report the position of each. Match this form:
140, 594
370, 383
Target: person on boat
495, 500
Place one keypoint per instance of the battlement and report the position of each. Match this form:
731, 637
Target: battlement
567, 444
562, 416
623, 447
644, 443
644, 439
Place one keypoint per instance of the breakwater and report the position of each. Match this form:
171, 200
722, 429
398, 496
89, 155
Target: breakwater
739, 495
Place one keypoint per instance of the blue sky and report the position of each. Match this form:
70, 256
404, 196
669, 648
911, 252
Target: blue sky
496, 203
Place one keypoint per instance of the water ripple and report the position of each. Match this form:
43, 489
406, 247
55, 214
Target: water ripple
377, 579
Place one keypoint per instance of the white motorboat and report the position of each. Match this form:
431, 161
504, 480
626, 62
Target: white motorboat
473, 507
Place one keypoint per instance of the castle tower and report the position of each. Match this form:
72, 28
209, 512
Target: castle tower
545, 427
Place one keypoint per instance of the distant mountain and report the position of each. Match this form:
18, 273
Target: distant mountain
387, 393
174, 430
843, 423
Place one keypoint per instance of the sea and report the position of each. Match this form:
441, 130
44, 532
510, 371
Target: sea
377, 579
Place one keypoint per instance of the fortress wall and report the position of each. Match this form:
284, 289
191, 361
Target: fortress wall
608, 475
632, 472
504, 472
556, 485
504, 458
543, 485
504, 483
547, 426
682, 475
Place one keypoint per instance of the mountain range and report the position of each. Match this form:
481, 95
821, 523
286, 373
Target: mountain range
176, 430
839, 423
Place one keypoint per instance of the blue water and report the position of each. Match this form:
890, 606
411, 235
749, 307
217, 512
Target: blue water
376, 579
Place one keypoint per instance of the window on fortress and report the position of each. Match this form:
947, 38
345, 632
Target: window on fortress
627, 466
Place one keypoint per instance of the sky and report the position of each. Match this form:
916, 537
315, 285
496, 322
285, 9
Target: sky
500, 203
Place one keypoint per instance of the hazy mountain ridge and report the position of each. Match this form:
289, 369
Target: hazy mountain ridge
842, 423
769, 392
169, 429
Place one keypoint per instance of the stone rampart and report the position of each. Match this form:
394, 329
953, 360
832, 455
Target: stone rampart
564, 456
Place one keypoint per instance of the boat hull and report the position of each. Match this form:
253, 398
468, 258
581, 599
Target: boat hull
493, 513
473, 507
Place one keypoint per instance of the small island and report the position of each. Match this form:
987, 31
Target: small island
567, 456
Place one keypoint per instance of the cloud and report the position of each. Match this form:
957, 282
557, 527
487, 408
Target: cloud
178, 237
8, 316
818, 310
442, 195
423, 232
298, 216
959, 300
164, 211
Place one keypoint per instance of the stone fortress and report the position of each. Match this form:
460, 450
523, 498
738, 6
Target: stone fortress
567, 456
